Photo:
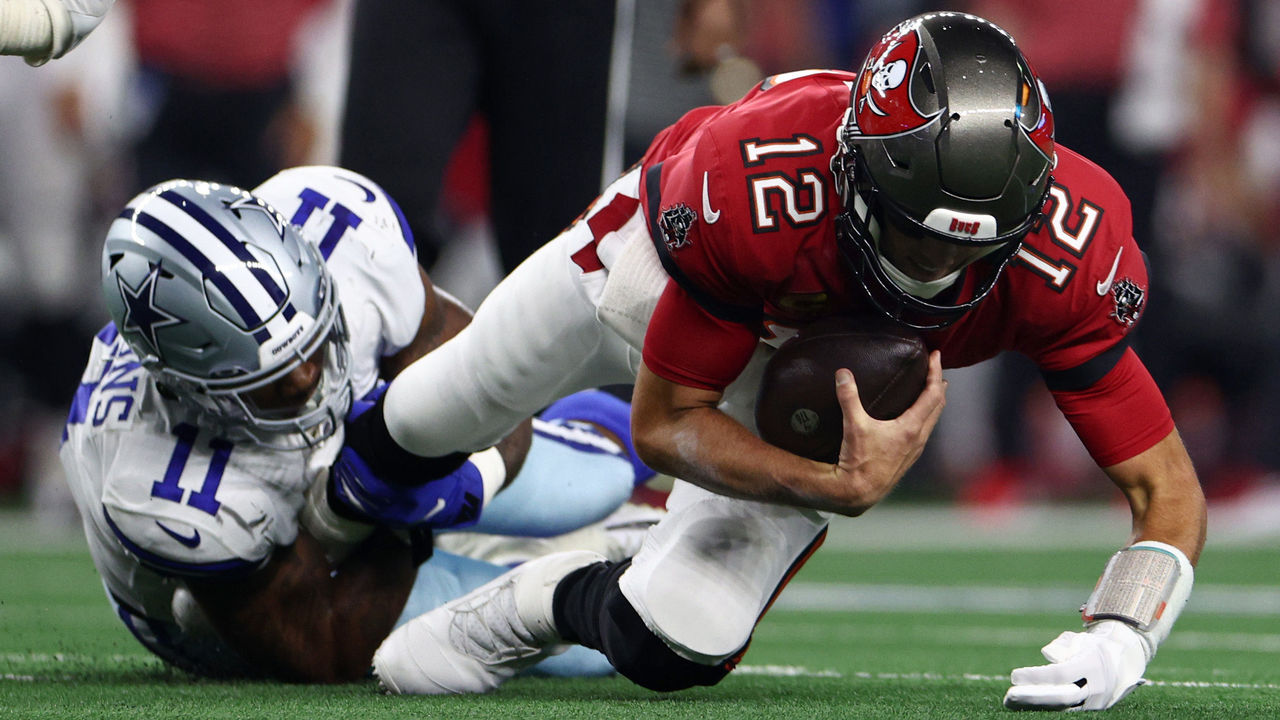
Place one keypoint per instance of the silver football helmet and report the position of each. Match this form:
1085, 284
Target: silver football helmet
219, 296
944, 165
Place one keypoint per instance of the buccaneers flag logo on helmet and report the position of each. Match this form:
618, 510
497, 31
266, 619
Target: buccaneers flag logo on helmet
887, 102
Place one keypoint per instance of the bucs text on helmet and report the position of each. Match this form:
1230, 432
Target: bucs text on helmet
219, 296
946, 148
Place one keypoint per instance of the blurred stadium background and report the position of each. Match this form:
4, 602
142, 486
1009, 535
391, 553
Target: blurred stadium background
1179, 99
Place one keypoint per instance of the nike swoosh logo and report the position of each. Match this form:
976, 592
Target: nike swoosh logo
188, 540
1105, 285
368, 194
708, 215
435, 510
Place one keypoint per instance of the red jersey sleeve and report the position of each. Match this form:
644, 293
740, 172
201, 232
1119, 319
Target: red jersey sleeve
688, 345
1120, 415
1085, 285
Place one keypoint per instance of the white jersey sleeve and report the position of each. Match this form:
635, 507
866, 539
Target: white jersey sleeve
366, 242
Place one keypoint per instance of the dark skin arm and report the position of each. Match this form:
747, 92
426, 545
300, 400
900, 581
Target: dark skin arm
679, 430
1164, 496
299, 619
442, 318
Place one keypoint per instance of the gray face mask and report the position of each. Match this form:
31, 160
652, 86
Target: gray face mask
925, 289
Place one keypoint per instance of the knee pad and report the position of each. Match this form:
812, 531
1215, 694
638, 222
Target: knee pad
591, 609
607, 411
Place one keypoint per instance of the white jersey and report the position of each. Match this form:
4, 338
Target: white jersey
163, 499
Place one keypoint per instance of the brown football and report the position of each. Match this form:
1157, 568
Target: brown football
797, 409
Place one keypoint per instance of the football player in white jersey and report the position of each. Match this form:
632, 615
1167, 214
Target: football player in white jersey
233, 534
41, 30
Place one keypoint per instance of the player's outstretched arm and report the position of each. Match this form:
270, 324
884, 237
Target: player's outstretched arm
680, 431
1142, 590
299, 619
1164, 496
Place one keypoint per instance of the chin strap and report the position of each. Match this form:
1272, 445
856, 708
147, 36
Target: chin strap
1145, 586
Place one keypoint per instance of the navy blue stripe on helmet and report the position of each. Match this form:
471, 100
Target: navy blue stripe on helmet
206, 266
226, 238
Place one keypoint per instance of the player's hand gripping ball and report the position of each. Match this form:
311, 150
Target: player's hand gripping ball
797, 409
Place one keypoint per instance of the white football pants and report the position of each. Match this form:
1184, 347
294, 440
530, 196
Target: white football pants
709, 569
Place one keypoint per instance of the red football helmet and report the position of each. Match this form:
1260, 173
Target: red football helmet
944, 165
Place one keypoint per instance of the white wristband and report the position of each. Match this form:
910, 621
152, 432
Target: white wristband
493, 471
1146, 586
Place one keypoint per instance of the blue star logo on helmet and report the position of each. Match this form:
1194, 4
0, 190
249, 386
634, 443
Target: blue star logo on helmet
141, 313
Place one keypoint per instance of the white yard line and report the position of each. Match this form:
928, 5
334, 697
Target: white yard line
18, 659
1235, 600
800, 671
1021, 636
903, 525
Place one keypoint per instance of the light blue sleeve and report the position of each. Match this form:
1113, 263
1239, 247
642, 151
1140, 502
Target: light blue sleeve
564, 484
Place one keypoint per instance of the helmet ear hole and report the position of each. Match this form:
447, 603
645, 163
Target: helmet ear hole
926, 76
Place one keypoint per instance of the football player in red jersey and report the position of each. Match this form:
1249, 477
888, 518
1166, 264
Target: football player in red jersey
928, 188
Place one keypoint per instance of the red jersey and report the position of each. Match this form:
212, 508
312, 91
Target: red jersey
228, 44
741, 203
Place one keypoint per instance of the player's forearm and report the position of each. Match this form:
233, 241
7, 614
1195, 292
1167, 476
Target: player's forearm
709, 449
679, 430
1178, 521
331, 636
514, 448
368, 594
301, 620
1165, 497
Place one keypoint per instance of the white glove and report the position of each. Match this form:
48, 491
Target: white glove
42, 30
1090, 670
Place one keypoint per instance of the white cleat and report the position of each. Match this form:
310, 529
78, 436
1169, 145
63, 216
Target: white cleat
476, 642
